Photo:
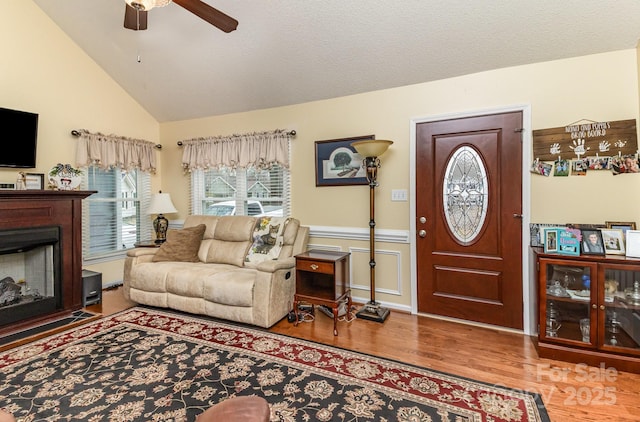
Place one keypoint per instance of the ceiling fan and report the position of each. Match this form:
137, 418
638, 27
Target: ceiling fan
135, 16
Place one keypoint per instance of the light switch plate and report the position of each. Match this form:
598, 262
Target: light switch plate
399, 195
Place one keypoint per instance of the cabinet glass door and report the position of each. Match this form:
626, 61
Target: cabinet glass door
568, 301
621, 302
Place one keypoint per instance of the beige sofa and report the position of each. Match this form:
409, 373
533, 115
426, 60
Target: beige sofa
234, 277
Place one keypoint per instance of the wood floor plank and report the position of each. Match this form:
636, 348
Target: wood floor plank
570, 392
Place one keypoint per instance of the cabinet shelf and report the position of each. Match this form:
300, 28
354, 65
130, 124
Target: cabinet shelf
586, 301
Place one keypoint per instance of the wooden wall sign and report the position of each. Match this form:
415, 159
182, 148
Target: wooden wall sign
604, 139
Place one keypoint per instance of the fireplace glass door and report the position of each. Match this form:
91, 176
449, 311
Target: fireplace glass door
29, 273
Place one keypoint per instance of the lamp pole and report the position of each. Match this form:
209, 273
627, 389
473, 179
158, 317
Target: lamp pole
372, 310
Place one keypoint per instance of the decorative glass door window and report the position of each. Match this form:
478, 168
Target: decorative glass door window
465, 194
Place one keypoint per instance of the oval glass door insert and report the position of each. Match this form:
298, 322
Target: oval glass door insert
465, 194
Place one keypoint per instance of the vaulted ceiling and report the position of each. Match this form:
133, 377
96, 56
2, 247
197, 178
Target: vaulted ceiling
292, 51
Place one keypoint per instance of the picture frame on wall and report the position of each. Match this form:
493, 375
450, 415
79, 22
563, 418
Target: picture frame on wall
633, 243
592, 243
338, 163
34, 181
613, 241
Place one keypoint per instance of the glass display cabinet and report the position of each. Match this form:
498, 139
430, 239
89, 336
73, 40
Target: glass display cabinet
589, 309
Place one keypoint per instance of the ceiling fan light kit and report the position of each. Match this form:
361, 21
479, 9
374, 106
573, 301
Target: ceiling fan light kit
147, 4
135, 16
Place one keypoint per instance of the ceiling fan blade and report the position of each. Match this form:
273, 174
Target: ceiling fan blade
135, 19
215, 17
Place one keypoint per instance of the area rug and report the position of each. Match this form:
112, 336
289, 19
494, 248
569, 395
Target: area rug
151, 365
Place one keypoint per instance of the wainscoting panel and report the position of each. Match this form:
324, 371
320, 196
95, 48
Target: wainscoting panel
389, 262
397, 291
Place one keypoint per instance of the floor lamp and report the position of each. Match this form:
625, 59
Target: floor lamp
371, 150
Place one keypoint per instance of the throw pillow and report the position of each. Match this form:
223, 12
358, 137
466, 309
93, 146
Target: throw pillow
181, 245
267, 240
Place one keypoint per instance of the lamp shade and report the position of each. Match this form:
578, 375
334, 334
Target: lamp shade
147, 4
161, 204
371, 148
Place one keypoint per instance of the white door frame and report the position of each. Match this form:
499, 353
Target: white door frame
528, 281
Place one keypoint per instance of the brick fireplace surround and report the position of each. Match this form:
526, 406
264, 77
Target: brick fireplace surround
46, 208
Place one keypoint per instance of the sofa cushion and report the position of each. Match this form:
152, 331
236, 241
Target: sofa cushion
150, 277
267, 240
233, 287
181, 245
208, 220
231, 240
187, 279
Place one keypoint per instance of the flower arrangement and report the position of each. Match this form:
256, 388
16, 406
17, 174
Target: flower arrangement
64, 169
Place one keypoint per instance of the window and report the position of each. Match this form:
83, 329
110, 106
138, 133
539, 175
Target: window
114, 218
241, 192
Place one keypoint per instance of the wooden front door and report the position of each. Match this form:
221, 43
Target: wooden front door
469, 218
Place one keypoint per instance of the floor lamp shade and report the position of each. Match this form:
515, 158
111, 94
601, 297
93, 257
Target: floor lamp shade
161, 204
371, 150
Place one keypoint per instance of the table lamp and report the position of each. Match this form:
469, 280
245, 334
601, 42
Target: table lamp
161, 204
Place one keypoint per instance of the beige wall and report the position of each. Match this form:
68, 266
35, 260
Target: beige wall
599, 87
42, 71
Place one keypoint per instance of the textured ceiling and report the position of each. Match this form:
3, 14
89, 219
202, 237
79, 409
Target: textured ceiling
292, 51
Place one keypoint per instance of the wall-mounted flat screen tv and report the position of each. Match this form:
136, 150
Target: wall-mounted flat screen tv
18, 137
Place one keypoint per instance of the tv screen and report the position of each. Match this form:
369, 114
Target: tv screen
18, 137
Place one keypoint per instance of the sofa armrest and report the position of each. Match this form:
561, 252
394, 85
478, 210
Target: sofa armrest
134, 257
272, 266
141, 252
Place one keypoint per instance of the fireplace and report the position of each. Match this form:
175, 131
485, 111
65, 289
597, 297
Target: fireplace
30, 276
40, 256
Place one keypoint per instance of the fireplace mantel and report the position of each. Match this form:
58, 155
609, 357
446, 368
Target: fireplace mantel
39, 208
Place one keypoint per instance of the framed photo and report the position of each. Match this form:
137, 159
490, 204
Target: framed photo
613, 241
568, 241
622, 225
34, 181
536, 231
338, 163
633, 243
592, 242
550, 240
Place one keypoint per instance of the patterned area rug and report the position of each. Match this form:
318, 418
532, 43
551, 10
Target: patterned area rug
145, 364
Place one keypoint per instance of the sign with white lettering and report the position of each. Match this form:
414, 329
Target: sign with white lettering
604, 139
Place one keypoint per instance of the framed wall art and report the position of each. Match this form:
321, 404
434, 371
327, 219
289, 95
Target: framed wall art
613, 241
338, 163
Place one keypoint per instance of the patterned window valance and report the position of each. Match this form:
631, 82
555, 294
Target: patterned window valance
260, 150
109, 151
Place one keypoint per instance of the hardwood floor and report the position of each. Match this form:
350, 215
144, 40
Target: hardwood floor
570, 392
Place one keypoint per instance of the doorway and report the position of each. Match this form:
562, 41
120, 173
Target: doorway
468, 246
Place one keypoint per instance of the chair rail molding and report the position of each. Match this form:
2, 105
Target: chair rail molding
355, 233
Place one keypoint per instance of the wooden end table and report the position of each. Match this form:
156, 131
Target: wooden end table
322, 278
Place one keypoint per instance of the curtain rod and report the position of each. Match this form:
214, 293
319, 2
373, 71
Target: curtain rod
290, 133
77, 133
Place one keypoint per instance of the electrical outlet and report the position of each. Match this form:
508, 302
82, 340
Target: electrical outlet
399, 195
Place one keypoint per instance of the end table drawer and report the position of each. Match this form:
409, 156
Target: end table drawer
315, 266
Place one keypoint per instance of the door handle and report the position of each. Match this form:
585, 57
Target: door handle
422, 233
520, 216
